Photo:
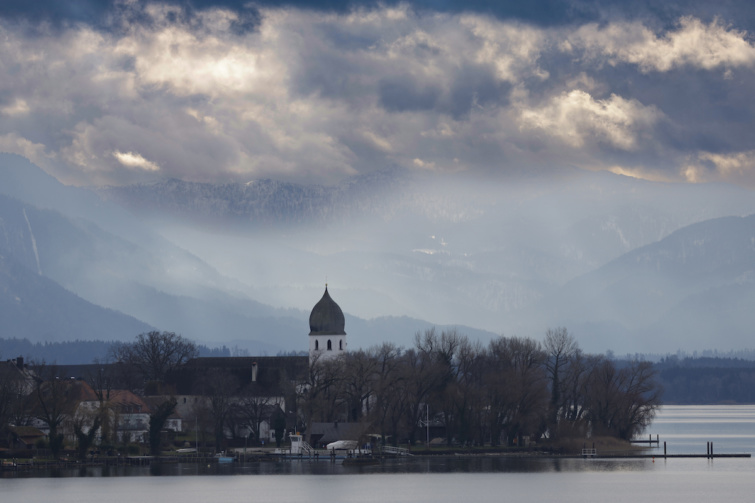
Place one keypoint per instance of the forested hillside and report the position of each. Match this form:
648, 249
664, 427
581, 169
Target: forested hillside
707, 380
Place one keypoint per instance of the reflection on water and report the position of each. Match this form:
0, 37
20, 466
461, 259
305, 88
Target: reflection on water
440, 464
449, 479
415, 481
687, 429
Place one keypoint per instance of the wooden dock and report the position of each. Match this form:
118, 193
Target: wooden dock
663, 456
709, 454
649, 441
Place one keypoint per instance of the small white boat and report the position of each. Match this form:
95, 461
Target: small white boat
348, 445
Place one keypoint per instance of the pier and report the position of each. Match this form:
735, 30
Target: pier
649, 441
709, 454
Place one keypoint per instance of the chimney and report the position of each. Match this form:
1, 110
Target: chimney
20, 362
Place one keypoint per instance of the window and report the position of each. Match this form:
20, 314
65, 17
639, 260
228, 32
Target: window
317, 345
340, 344
330, 346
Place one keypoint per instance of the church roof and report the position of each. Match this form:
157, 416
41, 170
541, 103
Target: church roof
326, 317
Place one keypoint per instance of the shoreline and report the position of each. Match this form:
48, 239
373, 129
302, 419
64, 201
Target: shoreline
9, 466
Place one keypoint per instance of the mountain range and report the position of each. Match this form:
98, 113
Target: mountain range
624, 264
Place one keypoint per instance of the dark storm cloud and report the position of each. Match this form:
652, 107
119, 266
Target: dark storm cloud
401, 95
126, 91
539, 12
470, 86
56, 10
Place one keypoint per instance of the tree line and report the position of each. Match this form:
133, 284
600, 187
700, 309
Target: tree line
498, 394
494, 394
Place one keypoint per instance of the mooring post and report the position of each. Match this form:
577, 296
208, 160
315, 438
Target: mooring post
664, 448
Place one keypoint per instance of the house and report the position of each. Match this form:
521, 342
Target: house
24, 437
128, 412
18, 374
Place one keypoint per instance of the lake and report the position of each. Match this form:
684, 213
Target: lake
441, 480
687, 428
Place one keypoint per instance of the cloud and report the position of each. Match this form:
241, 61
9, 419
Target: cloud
734, 167
576, 117
318, 95
692, 43
18, 107
35, 152
135, 161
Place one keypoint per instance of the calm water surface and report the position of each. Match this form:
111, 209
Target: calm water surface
686, 429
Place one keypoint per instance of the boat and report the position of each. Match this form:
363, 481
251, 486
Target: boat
223, 459
348, 445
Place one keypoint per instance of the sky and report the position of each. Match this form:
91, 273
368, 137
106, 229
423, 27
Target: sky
127, 91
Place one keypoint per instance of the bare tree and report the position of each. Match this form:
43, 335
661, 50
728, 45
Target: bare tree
14, 391
622, 401
560, 348
85, 426
518, 387
253, 409
465, 394
359, 374
155, 354
575, 385
100, 378
52, 405
426, 369
388, 408
157, 421
219, 387
318, 394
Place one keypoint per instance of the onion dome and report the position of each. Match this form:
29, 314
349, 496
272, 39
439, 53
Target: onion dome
326, 317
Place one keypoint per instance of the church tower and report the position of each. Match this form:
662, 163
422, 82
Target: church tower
327, 338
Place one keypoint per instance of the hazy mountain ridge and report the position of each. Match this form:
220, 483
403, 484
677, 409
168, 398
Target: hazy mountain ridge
467, 254
697, 285
479, 254
262, 201
152, 280
35, 307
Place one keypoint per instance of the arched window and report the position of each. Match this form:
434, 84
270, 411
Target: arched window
340, 344
330, 345
317, 345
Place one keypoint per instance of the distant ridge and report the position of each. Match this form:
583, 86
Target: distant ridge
265, 201
696, 286
34, 307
